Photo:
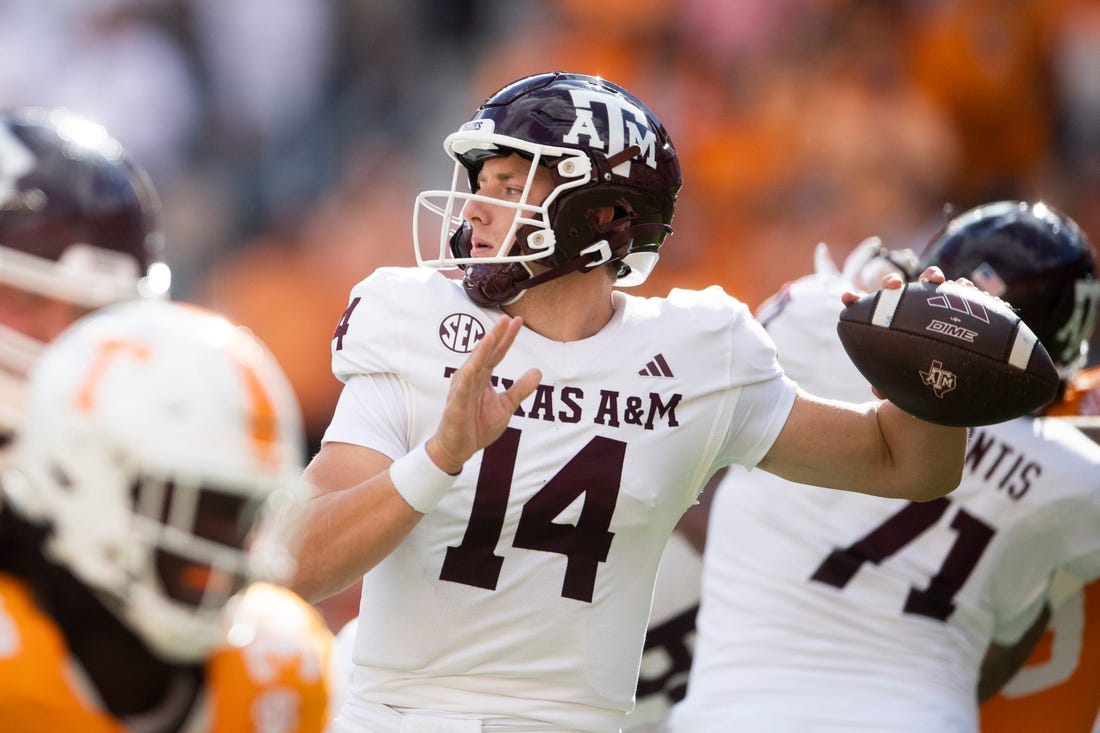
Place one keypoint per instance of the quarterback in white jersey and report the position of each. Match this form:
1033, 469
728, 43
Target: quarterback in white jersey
564, 498
506, 483
836, 611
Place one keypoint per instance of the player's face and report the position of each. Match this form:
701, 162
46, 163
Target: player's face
502, 178
36, 315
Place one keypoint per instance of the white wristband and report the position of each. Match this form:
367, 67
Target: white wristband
420, 482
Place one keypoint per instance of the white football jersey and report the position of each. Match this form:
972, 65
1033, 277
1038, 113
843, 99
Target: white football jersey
525, 593
670, 637
838, 611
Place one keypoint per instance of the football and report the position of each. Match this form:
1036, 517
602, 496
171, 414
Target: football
948, 353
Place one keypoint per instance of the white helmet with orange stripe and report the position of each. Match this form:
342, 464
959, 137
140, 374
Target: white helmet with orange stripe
157, 437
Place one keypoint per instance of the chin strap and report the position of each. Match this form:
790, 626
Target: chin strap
600, 253
504, 283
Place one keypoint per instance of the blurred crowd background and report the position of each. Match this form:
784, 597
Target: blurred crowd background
288, 138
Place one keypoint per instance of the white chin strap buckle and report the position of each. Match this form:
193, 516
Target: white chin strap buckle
602, 248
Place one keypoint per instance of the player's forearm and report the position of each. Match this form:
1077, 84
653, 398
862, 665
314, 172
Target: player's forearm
343, 534
873, 448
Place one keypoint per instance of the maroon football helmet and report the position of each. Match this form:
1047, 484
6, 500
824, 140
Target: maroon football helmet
1038, 260
602, 147
77, 225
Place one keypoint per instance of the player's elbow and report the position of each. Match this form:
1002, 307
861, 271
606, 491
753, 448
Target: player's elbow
929, 491
943, 477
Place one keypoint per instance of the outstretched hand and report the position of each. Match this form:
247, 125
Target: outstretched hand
893, 280
476, 413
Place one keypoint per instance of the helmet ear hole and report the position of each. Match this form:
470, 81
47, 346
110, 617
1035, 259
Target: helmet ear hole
582, 218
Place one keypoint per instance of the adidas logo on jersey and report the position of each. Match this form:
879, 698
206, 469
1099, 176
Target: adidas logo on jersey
657, 367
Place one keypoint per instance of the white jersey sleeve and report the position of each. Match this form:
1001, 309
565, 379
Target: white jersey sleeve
523, 597
371, 411
670, 636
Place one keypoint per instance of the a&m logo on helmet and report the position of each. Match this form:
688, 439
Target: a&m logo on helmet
626, 125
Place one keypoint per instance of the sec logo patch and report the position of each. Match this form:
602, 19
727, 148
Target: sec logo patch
460, 332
